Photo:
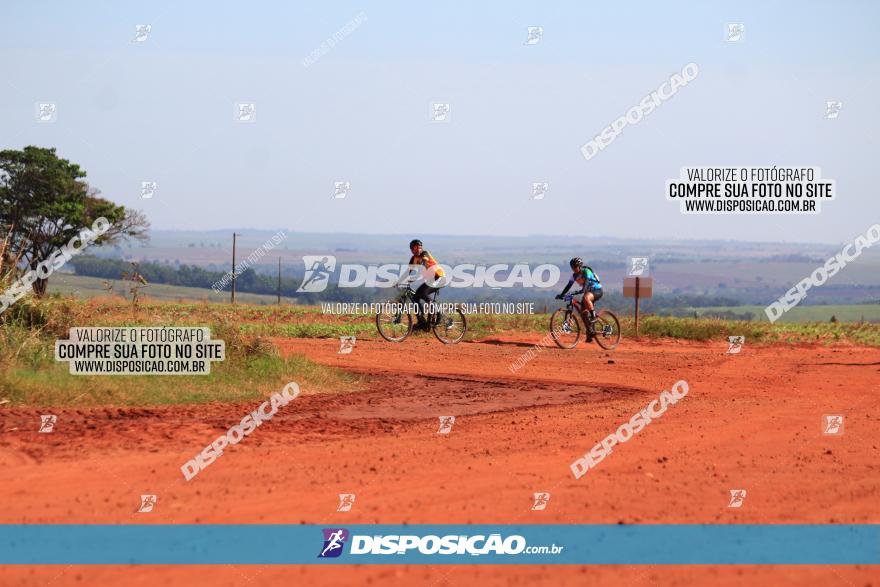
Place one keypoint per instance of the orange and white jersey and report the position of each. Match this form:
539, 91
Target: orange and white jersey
427, 260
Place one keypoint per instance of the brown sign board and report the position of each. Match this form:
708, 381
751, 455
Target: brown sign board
646, 287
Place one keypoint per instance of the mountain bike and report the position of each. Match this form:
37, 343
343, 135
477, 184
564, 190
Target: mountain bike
394, 323
565, 325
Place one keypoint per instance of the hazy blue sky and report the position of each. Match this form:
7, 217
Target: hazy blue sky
162, 110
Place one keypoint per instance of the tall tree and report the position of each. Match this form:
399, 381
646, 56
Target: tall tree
45, 202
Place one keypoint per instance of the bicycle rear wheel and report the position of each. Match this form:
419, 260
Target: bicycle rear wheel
565, 328
450, 328
394, 326
607, 330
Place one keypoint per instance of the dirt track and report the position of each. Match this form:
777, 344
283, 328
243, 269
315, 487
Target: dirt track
750, 421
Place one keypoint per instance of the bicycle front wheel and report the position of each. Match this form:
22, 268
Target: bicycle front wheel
450, 328
394, 326
565, 328
607, 330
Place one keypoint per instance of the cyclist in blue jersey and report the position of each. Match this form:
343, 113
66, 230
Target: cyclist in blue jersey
584, 276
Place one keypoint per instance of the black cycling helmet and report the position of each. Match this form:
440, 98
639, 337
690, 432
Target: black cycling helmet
575, 262
415, 242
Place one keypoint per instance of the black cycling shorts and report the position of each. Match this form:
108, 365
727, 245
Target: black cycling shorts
597, 294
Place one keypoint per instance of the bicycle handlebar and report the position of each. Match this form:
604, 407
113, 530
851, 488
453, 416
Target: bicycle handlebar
569, 297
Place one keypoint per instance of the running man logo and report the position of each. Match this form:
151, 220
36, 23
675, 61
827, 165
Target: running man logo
832, 425
737, 497
47, 112
245, 112
141, 32
346, 345
318, 270
47, 423
832, 109
446, 423
440, 112
346, 500
334, 541
638, 267
147, 503
148, 188
539, 189
735, 344
541, 500
341, 189
735, 32
535, 34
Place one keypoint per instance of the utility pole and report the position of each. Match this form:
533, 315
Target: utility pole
279, 281
233, 266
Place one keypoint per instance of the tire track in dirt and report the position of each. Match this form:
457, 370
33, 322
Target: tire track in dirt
389, 401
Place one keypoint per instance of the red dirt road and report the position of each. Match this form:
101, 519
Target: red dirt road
750, 421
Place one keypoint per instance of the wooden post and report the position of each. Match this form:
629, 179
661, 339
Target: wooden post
233, 266
637, 307
638, 288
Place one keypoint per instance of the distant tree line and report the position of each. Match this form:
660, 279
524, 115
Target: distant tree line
248, 281
251, 281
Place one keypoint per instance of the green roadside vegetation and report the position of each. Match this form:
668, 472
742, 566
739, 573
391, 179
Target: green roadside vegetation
253, 368
29, 374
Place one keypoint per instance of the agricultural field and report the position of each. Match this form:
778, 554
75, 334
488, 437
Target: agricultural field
805, 312
84, 287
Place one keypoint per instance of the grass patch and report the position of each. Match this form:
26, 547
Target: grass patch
311, 330
864, 333
29, 374
800, 332
231, 381
804, 312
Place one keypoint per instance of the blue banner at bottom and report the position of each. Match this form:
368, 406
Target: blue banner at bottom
492, 544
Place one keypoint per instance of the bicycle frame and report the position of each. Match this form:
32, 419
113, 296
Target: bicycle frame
439, 322
603, 318
572, 300
408, 294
